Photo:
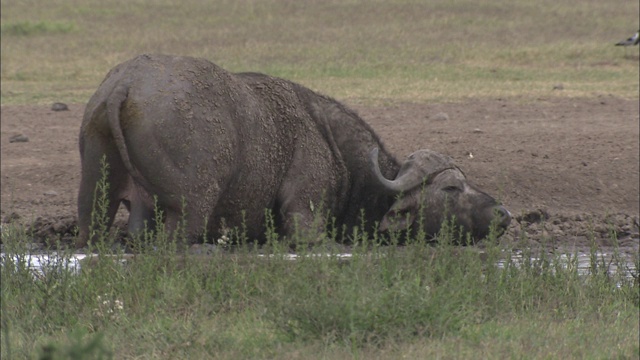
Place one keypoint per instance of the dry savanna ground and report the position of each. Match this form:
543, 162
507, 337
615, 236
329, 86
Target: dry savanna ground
542, 109
574, 161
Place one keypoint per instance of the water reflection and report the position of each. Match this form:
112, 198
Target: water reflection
581, 262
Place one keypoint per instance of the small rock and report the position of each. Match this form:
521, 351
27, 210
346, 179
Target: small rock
534, 216
34, 246
59, 227
441, 117
50, 193
118, 247
202, 249
558, 87
11, 218
601, 228
59, 107
477, 131
18, 138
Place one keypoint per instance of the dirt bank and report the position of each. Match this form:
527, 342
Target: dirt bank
568, 169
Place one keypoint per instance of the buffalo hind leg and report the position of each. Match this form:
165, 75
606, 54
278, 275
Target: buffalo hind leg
92, 174
141, 212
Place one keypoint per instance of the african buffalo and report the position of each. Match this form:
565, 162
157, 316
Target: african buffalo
217, 147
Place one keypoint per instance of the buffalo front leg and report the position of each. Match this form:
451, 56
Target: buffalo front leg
309, 194
184, 226
303, 219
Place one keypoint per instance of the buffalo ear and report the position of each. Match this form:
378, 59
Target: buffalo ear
397, 220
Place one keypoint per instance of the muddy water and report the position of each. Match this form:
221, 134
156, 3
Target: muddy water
615, 264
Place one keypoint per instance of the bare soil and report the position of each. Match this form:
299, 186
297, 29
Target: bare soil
568, 169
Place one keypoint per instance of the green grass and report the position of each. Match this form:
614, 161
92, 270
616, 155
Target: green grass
27, 28
417, 301
358, 50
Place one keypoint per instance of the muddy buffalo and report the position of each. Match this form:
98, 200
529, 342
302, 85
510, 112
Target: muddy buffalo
215, 148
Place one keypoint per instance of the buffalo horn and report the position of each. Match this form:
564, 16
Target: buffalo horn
398, 185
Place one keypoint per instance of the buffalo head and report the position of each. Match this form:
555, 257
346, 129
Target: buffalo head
433, 189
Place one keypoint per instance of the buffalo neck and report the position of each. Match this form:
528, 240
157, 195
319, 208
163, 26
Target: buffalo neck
354, 139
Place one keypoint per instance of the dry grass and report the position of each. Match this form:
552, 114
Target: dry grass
387, 50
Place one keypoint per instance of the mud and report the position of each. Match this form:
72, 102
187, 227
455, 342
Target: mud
567, 169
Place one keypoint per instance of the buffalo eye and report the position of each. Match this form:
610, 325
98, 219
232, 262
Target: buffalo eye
452, 189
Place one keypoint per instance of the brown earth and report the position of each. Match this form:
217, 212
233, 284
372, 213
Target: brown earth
568, 169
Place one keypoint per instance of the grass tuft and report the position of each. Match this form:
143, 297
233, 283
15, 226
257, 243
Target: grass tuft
248, 301
28, 28
252, 302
